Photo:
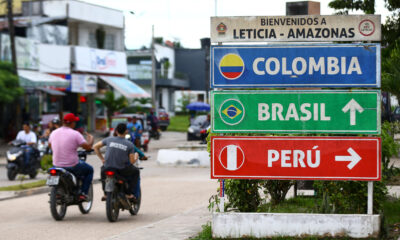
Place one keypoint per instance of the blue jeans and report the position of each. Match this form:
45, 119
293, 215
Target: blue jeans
28, 151
85, 171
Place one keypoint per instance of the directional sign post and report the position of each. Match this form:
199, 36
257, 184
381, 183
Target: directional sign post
317, 65
302, 158
329, 111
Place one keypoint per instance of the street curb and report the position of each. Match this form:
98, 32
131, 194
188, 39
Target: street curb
32, 191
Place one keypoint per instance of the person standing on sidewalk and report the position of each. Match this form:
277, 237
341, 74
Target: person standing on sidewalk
64, 142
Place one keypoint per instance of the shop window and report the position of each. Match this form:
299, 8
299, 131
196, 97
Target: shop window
109, 42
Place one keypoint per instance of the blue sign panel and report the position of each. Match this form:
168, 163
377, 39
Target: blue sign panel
316, 65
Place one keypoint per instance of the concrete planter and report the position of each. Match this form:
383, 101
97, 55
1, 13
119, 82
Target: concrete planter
187, 158
237, 225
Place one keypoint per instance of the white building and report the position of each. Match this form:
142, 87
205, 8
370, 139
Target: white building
70, 48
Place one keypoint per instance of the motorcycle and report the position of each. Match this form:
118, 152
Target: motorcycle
16, 163
43, 146
65, 191
115, 188
155, 132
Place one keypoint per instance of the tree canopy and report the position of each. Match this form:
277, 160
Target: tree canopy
390, 38
112, 104
9, 83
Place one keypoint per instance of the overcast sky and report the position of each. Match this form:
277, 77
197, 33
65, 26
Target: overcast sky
189, 20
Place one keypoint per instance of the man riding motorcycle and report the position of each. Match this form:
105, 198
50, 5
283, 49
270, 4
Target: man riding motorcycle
64, 143
120, 156
29, 137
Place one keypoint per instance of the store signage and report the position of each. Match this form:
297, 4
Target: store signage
82, 83
100, 61
302, 28
322, 111
301, 158
318, 65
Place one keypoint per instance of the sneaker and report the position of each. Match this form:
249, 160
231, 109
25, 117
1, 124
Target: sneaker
144, 158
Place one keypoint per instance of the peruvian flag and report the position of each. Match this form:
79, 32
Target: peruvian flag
231, 157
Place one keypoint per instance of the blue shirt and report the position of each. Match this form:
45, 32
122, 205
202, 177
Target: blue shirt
138, 126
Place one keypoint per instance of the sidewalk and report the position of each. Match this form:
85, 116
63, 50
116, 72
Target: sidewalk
178, 227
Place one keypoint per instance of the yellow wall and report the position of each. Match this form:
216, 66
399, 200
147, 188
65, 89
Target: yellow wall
17, 7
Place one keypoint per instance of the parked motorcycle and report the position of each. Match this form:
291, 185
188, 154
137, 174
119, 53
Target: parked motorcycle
65, 191
16, 164
115, 188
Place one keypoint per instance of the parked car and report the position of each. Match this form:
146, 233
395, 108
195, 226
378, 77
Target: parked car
123, 118
396, 115
197, 128
163, 119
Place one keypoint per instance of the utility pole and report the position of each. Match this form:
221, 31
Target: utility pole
153, 71
12, 34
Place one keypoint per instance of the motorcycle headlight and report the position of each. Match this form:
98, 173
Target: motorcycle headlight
13, 156
191, 130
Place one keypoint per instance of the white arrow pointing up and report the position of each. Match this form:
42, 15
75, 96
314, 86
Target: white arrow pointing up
354, 158
353, 106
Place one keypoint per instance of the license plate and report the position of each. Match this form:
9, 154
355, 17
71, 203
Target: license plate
53, 180
109, 185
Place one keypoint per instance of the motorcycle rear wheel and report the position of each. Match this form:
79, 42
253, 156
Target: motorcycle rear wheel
85, 207
112, 207
58, 208
136, 206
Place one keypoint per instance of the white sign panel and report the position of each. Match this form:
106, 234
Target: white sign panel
300, 28
54, 58
100, 61
27, 53
82, 83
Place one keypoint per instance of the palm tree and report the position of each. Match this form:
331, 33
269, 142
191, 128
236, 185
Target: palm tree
112, 104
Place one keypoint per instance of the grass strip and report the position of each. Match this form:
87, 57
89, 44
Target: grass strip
179, 123
24, 186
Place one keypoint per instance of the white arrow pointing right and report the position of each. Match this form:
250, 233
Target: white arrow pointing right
354, 158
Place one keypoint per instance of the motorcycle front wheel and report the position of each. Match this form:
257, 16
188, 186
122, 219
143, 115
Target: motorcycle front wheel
11, 174
112, 207
58, 207
85, 207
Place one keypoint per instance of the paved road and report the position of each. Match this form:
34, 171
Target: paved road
173, 197
168, 140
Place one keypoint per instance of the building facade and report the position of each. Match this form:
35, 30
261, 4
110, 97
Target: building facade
69, 54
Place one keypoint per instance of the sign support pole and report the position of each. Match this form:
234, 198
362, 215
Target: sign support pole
222, 195
370, 197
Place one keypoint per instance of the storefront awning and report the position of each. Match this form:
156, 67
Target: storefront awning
34, 79
126, 87
51, 91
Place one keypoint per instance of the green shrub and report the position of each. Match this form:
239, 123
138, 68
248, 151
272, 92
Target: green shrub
349, 196
46, 162
243, 195
277, 189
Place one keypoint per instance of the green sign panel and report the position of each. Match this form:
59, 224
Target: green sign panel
322, 111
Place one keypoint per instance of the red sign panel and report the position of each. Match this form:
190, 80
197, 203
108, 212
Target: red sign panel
301, 158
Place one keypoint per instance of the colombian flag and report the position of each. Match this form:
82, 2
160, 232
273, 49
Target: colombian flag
231, 66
